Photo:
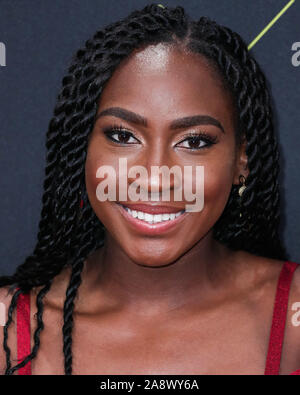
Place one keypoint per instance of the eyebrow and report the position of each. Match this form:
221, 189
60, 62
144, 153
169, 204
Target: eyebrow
179, 123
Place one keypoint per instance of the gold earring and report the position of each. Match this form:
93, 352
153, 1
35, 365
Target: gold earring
242, 188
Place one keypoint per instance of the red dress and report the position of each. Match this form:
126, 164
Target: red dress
276, 335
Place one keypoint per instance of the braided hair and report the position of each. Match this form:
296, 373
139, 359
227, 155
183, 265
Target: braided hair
68, 232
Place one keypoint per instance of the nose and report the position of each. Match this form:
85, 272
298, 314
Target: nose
159, 175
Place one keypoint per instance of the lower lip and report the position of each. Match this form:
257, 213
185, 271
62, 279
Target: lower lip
150, 229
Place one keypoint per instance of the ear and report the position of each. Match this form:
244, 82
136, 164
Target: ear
241, 163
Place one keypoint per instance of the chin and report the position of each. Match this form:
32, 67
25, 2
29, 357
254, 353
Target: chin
149, 259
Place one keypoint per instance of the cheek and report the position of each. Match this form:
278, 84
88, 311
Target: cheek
217, 186
218, 181
94, 160
91, 165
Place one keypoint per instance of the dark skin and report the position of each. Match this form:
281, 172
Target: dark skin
168, 304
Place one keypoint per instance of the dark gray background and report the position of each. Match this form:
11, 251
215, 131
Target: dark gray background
40, 37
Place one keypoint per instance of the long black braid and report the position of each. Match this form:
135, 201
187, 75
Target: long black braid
67, 234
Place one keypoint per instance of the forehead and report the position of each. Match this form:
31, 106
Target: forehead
162, 79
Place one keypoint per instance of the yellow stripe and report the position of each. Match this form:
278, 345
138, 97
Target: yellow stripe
270, 24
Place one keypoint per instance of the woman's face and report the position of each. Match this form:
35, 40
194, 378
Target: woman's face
162, 84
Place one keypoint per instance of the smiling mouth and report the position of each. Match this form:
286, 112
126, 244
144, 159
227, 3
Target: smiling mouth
151, 219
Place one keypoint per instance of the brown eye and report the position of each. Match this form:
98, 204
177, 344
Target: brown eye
197, 141
124, 137
194, 143
120, 135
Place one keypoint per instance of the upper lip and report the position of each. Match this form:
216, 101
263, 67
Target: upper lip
152, 208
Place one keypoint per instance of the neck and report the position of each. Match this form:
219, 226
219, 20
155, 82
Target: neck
191, 278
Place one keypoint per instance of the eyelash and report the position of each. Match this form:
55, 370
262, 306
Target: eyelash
115, 129
208, 139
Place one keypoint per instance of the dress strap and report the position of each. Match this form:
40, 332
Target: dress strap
279, 318
23, 332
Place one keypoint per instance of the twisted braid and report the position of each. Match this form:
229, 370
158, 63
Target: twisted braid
11, 308
40, 326
66, 236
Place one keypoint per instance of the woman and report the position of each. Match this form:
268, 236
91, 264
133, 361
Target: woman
108, 291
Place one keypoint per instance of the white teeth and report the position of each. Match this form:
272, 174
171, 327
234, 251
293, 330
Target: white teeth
140, 214
150, 218
157, 218
134, 213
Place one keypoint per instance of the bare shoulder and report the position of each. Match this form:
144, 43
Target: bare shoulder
294, 304
259, 269
295, 286
294, 308
291, 350
5, 300
268, 271
258, 277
